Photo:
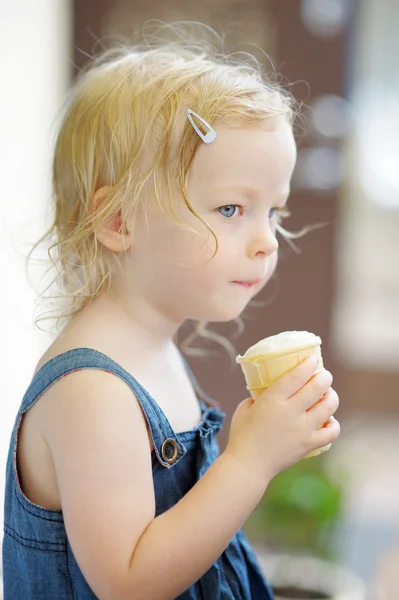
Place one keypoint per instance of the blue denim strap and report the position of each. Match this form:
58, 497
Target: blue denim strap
88, 358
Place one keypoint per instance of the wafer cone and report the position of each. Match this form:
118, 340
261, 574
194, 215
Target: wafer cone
270, 358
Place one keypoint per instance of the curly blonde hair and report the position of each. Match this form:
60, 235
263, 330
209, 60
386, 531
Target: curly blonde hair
125, 127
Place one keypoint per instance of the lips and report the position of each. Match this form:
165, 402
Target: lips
248, 283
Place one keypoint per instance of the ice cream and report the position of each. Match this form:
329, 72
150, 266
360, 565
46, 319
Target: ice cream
267, 360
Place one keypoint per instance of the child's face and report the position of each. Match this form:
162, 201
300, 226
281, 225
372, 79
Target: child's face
238, 184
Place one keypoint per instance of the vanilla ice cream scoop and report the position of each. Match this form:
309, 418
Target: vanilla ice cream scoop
283, 342
267, 360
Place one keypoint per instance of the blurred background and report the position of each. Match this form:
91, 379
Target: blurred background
341, 281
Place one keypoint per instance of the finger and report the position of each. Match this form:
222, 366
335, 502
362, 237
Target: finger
289, 383
242, 409
327, 434
313, 391
324, 409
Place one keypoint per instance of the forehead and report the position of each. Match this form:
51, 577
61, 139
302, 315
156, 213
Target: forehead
261, 154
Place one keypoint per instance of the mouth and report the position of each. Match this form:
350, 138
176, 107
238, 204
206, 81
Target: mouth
247, 284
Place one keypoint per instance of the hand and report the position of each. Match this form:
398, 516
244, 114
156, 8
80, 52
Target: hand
286, 421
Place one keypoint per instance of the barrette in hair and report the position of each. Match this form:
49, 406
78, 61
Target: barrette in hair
210, 135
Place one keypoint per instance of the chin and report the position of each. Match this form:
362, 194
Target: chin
224, 315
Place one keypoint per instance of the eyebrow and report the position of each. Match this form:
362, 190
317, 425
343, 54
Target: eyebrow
248, 191
252, 192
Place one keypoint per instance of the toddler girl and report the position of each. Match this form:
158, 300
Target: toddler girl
171, 174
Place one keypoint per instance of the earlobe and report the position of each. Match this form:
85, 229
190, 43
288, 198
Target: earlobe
108, 232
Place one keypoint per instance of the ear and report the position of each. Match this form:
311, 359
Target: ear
108, 233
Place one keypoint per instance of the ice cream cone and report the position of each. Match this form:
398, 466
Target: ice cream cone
270, 358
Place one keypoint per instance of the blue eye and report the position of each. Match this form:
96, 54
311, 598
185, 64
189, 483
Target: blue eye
229, 211
272, 212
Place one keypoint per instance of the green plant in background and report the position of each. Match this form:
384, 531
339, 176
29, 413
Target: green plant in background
300, 510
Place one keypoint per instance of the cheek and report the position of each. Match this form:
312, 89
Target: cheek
186, 242
191, 249
273, 260
271, 267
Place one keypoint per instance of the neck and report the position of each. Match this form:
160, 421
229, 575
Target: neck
149, 326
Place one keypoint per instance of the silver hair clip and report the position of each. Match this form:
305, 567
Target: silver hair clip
210, 136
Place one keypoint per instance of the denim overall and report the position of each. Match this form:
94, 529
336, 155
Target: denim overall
38, 562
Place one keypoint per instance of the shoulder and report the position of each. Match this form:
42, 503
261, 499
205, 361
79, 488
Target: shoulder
93, 393
86, 397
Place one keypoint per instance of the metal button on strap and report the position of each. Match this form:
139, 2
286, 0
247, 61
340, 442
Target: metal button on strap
169, 451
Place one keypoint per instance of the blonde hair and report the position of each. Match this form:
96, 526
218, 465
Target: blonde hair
125, 127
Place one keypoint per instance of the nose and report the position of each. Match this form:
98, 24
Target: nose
263, 241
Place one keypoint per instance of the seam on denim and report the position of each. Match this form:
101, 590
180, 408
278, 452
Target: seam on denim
68, 570
26, 509
16, 480
30, 547
29, 539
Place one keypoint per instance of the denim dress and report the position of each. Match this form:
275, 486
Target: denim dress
38, 561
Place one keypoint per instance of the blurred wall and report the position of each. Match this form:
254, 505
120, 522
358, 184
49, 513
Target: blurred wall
366, 309
35, 40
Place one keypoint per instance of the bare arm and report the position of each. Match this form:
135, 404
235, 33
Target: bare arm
190, 537
98, 437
